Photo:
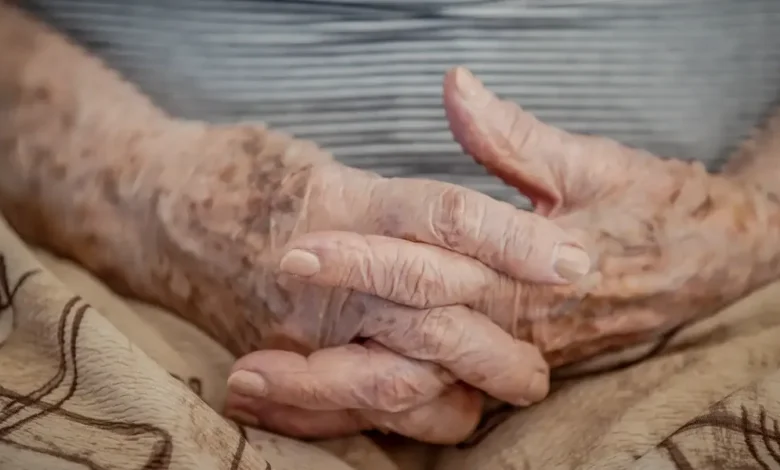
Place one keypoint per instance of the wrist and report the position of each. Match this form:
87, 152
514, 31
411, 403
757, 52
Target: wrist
222, 208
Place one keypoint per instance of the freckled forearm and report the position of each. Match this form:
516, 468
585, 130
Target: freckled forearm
82, 154
72, 134
82, 162
89, 161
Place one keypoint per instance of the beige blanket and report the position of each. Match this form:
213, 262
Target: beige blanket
89, 380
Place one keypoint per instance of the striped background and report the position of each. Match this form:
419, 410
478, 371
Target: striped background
363, 78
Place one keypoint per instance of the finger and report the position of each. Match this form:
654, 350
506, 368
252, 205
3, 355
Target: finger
520, 243
401, 271
550, 166
293, 421
447, 419
412, 274
466, 343
346, 377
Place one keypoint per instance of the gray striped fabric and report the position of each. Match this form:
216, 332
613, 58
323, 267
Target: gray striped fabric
684, 78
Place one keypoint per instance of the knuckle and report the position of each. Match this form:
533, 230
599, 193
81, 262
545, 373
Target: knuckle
394, 393
440, 334
520, 242
449, 223
520, 129
379, 277
418, 281
368, 271
311, 394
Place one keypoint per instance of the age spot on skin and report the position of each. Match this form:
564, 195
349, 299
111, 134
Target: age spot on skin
253, 145
42, 94
58, 171
704, 209
227, 174
674, 196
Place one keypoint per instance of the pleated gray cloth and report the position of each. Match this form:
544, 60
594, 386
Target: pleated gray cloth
683, 78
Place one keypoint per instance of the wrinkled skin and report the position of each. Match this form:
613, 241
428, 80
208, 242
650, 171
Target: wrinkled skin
194, 217
668, 241
224, 228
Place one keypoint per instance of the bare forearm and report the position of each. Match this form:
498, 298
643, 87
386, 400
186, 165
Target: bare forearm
83, 158
73, 137
93, 170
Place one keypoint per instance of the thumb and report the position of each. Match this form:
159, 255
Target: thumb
553, 168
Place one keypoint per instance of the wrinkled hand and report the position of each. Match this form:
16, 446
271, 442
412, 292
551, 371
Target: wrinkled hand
451, 257
669, 241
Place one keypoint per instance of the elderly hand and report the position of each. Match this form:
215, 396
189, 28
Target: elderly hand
669, 241
450, 258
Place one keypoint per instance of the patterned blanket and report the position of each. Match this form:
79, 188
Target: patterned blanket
94, 381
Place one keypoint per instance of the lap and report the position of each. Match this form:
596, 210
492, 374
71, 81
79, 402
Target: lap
702, 397
91, 380
86, 372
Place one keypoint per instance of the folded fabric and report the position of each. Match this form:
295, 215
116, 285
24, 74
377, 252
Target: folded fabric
91, 380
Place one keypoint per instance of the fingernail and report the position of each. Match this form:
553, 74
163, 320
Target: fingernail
471, 89
571, 262
300, 263
247, 383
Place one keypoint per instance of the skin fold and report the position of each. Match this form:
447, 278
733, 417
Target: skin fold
669, 242
195, 217
364, 302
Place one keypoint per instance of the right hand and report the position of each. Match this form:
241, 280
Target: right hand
225, 217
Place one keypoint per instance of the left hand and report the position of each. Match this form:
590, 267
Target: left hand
669, 241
